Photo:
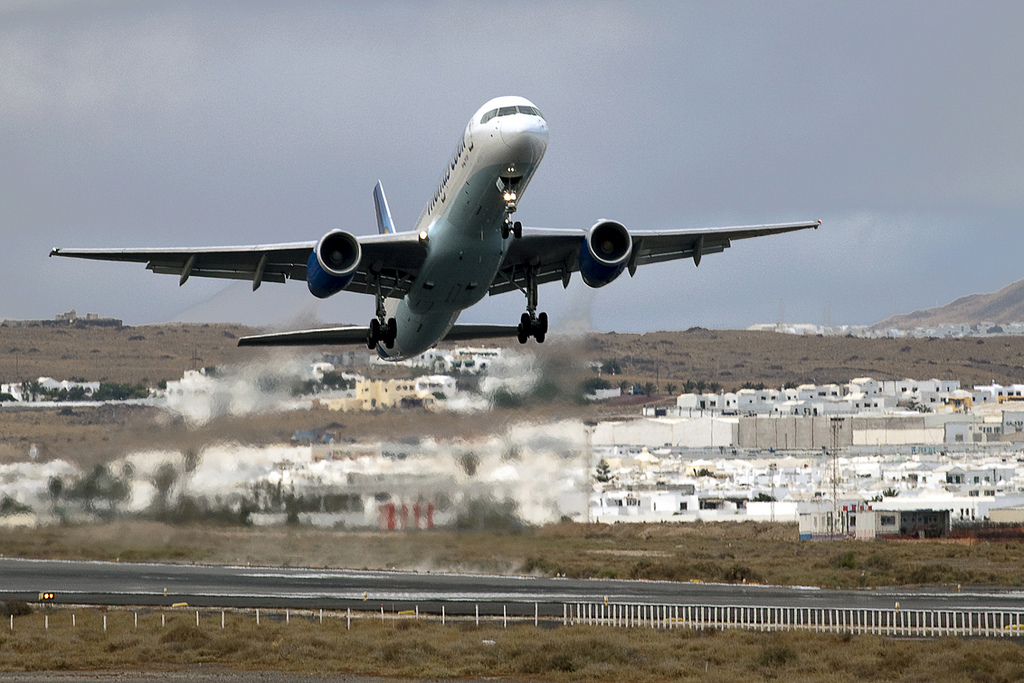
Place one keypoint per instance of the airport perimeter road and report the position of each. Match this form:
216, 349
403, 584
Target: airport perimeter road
107, 583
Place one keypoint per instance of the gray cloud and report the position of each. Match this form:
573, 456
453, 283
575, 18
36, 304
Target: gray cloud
174, 124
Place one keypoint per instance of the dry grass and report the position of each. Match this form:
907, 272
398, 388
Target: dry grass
722, 552
426, 649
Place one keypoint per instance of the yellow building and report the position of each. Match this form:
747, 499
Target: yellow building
373, 394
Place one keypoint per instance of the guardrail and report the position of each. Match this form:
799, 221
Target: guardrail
884, 622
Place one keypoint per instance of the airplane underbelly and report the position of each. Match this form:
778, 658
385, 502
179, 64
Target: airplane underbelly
416, 333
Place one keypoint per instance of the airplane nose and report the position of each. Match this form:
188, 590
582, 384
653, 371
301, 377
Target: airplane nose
525, 136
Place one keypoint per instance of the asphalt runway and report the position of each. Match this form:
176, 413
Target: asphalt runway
109, 583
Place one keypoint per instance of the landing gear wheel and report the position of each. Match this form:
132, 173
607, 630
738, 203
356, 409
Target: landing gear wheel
517, 229
541, 328
390, 333
525, 328
373, 335
505, 230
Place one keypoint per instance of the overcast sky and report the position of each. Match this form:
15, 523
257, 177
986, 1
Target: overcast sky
899, 124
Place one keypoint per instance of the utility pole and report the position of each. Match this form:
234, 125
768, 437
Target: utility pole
837, 423
588, 459
771, 481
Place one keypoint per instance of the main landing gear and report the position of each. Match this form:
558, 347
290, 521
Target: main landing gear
532, 324
382, 328
535, 326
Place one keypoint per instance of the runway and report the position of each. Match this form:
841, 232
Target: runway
109, 583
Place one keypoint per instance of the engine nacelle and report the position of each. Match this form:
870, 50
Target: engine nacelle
333, 263
605, 253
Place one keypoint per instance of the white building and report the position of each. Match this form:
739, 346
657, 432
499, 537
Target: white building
644, 504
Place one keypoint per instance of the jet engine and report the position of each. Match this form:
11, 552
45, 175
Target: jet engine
333, 263
604, 253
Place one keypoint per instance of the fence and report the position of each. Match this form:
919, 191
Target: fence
884, 622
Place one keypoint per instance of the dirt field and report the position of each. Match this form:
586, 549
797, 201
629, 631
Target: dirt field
663, 360
149, 354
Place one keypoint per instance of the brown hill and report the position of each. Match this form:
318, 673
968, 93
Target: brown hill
1004, 306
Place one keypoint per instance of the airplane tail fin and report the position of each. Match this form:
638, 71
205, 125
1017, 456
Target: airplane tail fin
385, 225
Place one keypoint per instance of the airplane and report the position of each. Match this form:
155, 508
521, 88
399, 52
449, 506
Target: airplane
465, 245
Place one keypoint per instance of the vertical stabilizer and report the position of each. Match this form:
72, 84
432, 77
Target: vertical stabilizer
385, 225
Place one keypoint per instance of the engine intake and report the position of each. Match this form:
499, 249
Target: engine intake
333, 263
605, 253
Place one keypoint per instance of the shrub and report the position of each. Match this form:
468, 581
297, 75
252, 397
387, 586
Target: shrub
847, 560
15, 608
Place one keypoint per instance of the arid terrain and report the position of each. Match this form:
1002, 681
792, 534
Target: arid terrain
151, 353
662, 361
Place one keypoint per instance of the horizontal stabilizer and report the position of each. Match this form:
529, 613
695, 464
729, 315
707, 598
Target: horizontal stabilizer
471, 332
357, 335
326, 335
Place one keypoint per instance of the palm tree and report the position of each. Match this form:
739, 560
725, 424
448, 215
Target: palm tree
32, 388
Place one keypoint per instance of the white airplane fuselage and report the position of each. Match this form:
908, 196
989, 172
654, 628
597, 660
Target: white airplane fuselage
463, 223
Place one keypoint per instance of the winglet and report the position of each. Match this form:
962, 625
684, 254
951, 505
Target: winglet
385, 225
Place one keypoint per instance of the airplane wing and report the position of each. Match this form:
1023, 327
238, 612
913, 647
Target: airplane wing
397, 257
357, 335
554, 254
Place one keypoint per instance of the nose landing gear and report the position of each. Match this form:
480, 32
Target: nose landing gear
510, 226
507, 186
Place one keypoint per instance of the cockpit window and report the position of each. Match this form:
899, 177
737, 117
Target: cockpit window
508, 111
